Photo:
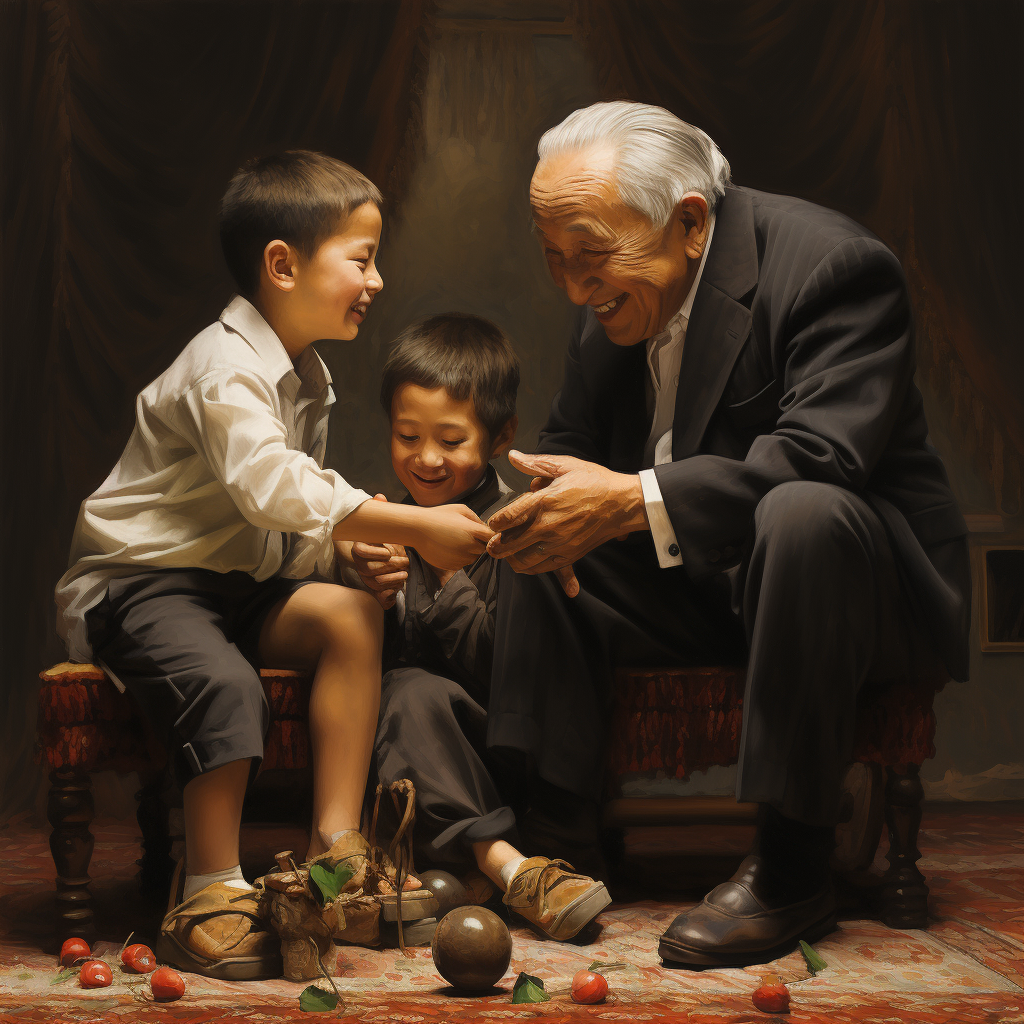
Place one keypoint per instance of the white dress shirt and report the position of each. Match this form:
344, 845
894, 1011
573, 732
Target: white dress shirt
223, 471
664, 360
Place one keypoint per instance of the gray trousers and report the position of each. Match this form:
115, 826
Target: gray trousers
433, 732
815, 608
184, 643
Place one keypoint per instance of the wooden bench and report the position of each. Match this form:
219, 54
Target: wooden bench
669, 722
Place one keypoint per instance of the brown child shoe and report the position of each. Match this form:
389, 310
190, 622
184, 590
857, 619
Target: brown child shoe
218, 933
554, 899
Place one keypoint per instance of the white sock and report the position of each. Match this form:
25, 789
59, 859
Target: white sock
508, 872
229, 876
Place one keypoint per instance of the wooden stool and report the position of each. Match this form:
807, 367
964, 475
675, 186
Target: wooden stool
675, 721
86, 725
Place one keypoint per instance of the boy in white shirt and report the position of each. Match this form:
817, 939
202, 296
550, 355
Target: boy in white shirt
189, 563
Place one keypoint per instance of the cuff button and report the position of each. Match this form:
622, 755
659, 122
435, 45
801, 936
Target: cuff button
673, 550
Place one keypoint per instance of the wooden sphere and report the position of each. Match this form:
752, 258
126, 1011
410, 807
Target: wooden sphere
472, 949
447, 889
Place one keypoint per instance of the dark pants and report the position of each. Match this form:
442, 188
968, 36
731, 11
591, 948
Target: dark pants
184, 643
815, 608
433, 732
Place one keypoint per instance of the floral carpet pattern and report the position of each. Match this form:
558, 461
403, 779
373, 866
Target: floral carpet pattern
967, 967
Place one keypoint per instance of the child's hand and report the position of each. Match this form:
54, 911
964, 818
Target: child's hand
451, 536
381, 567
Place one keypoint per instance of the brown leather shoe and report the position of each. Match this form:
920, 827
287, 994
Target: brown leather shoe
737, 925
554, 899
218, 932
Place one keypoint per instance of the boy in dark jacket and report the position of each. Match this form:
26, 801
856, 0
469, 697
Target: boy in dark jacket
449, 388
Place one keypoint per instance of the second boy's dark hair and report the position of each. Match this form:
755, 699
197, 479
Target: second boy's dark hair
466, 355
299, 196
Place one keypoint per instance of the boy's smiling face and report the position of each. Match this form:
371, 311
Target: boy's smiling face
326, 295
439, 447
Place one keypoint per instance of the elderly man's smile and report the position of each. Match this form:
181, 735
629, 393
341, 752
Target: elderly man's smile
605, 312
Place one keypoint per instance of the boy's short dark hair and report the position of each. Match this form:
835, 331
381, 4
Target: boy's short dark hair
299, 196
468, 356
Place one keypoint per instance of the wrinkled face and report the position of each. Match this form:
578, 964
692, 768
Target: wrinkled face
439, 447
334, 287
603, 254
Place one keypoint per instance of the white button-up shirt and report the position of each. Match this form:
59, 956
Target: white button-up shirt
664, 360
223, 471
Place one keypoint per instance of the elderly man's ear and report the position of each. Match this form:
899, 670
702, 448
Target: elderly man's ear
692, 216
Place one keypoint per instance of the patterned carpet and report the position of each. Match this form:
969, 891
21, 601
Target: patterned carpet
967, 967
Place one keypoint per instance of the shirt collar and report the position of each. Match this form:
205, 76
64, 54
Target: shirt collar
241, 316
677, 324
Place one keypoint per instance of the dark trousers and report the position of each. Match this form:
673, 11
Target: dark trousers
185, 644
433, 732
815, 608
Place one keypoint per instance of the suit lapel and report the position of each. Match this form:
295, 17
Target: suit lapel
719, 322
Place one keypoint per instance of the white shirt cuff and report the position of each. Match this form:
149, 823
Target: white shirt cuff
661, 526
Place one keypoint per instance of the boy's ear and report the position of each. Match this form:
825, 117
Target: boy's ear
280, 263
505, 437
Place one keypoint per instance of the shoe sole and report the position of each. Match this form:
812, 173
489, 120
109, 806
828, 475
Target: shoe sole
243, 968
674, 955
574, 918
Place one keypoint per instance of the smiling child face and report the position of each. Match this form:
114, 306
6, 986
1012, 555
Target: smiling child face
335, 286
439, 447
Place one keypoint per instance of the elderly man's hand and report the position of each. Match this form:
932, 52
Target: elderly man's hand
574, 507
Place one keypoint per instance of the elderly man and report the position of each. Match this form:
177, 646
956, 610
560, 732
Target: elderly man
736, 468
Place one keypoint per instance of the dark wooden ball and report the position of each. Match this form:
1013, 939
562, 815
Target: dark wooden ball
447, 889
472, 949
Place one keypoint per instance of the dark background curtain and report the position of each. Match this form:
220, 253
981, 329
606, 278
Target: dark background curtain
122, 123
905, 115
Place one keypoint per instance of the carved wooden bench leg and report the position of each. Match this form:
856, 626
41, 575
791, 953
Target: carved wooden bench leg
70, 811
904, 895
156, 866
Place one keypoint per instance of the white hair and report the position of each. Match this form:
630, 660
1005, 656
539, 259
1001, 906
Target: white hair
658, 157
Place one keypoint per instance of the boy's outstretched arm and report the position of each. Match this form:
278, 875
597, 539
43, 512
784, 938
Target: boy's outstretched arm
447, 536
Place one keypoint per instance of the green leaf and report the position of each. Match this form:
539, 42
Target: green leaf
529, 989
814, 962
25, 976
63, 974
317, 1000
328, 883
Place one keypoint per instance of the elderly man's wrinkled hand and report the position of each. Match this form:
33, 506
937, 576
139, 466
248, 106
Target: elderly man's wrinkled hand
573, 507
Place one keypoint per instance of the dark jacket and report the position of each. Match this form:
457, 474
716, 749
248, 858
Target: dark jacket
798, 364
452, 634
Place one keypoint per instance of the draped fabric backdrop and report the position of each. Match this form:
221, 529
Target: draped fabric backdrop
905, 115
123, 122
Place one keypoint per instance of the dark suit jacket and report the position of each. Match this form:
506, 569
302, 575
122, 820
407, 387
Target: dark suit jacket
798, 364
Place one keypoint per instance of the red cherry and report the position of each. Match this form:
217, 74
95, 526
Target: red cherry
95, 974
772, 998
139, 958
588, 987
72, 950
167, 985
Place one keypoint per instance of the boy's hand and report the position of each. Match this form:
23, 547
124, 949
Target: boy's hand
451, 536
381, 567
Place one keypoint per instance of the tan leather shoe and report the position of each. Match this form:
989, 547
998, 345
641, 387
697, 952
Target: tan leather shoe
349, 848
554, 899
218, 932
